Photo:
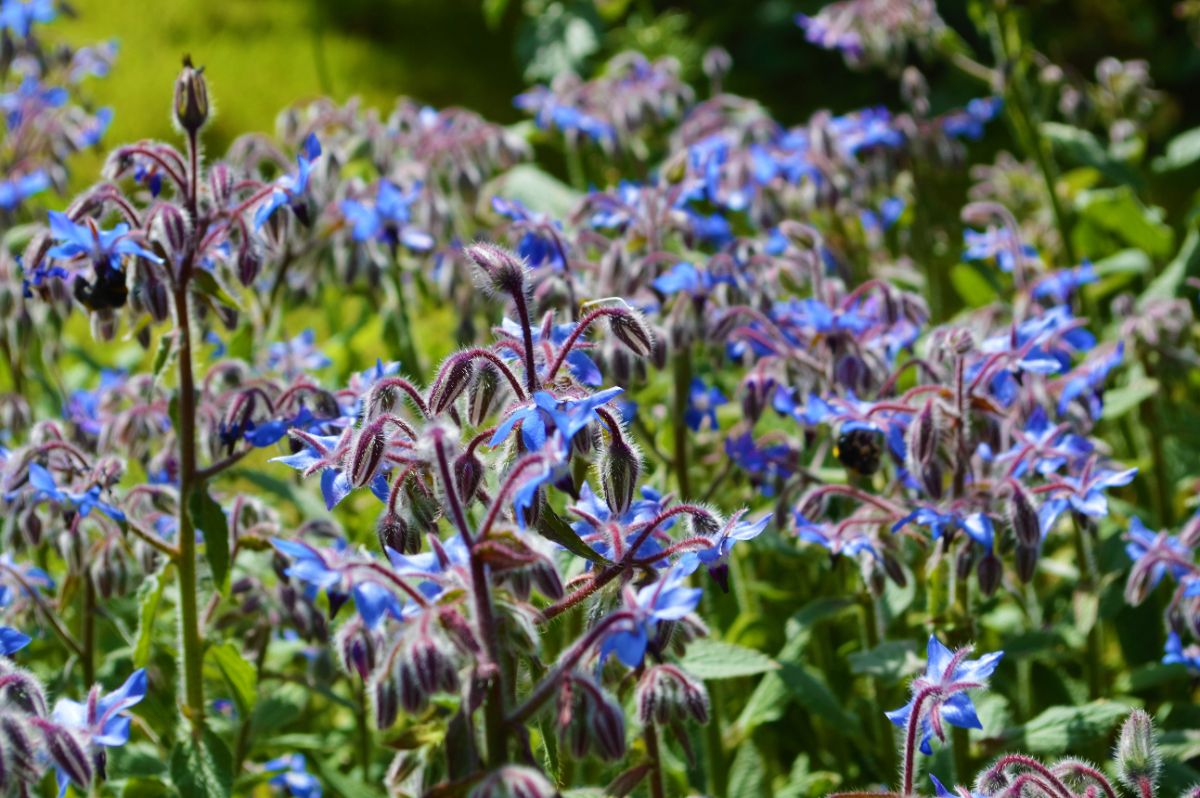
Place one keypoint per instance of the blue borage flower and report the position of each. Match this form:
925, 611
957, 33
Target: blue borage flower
549, 114
291, 189
334, 570
1059, 286
18, 16
716, 557
969, 122
297, 356
1083, 494
16, 190
702, 403
941, 693
978, 526
1155, 555
45, 489
1086, 382
388, 219
546, 413
598, 524
839, 538
667, 599
324, 453
12, 641
540, 241
995, 244
1042, 446
767, 464
86, 243
291, 773
548, 340
1178, 654
30, 99
83, 407
101, 722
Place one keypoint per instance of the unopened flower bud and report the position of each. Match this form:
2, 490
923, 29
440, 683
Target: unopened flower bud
19, 689
1024, 519
456, 380
191, 97
619, 471
397, 534
18, 754
631, 329
483, 392
468, 474
923, 438
1027, 559
249, 265
358, 648
589, 719
1137, 758
367, 455
989, 572
505, 272
68, 753
666, 694
385, 700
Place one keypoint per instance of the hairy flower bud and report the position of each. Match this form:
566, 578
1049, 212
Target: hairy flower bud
989, 571
484, 390
505, 272
396, 534
249, 265
1137, 758
367, 455
20, 690
67, 752
923, 438
1027, 559
385, 700
18, 754
631, 329
468, 474
666, 695
1024, 519
589, 719
358, 647
191, 97
456, 379
619, 471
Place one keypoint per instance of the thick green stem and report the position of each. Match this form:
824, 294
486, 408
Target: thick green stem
89, 629
189, 617
655, 775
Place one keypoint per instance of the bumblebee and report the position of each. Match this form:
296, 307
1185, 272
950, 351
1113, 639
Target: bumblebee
107, 293
860, 450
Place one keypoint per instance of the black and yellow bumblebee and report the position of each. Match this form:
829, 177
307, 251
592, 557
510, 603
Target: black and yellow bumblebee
109, 291
860, 449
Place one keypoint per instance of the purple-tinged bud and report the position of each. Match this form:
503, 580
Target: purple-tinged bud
505, 272
358, 648
21, 690
31, 527
756, 393
220, 184
18, 755
1027, 560
485, 388
72, 547
989, 572
666, 695
1023, 517
67, 753
923, 437
397, 534
110, 572
514, 781
191, 97
931, 480
1137, 759
249, 265
964, 561
456, 379
468, 475
175, 232
619, 471
385, 700
367, 455
631, 329
894, 571
590, 719
705, 524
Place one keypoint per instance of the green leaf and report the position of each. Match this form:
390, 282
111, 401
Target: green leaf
889, 660
493, 12
203, 770
809, 690
238, 674
1060, 729
162, 355
747, 773
1182, 151
713, 659
1121, 213
537, 190
149, 597
209, 518
206, 283
1081, 147
1186, 264
1119, 401
145, 787
551, 526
